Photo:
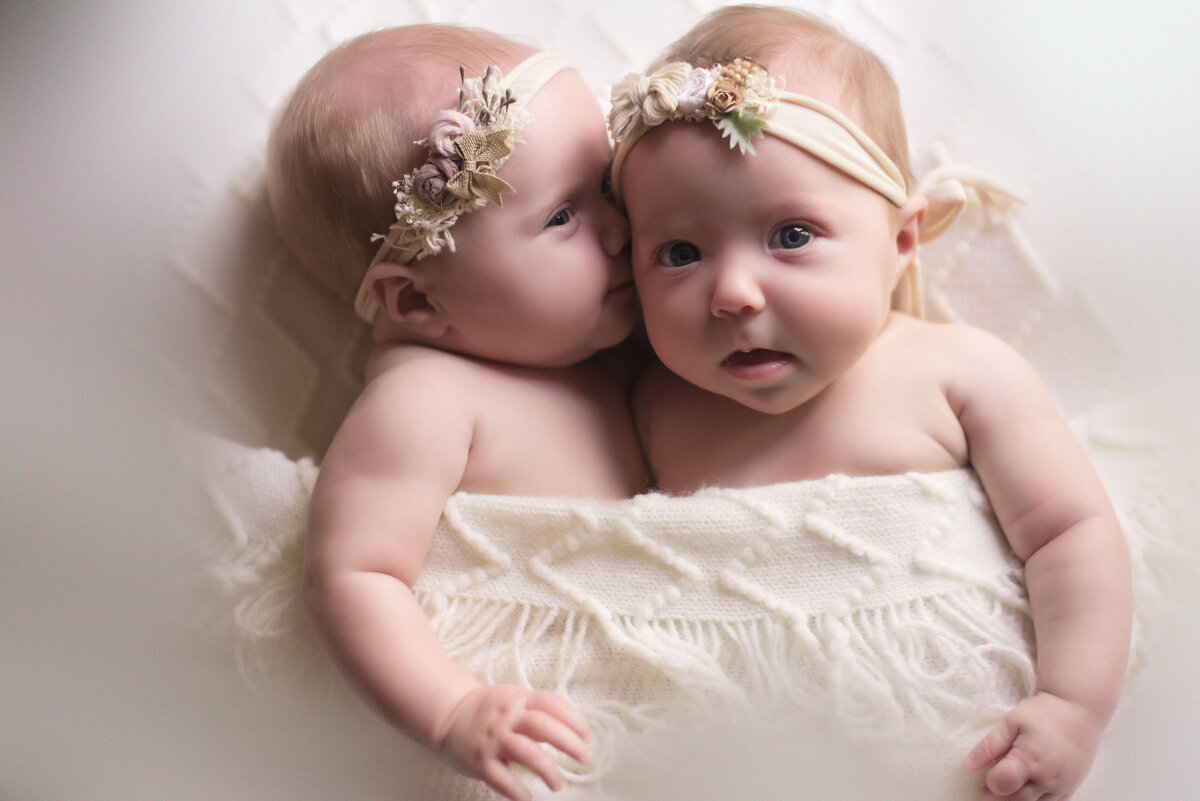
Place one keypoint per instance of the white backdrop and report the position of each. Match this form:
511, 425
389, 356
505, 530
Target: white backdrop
131, 142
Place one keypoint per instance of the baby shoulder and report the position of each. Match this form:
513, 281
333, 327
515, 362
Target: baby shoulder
422, 377
986, 377
412, 395
965, 348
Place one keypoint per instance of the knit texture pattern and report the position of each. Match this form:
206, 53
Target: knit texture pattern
890, 603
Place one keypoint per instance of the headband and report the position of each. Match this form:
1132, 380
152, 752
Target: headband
744, 103
467, 146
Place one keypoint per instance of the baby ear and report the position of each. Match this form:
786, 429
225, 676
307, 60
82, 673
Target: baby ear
906, 280
908, 231
396, 290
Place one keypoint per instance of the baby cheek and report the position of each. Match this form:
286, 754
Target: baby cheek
673, 329
661, 311
850, 327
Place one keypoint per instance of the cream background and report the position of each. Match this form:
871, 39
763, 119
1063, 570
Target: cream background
131, 138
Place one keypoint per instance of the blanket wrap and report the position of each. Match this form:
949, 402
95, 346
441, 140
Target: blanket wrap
885, 609
851, 635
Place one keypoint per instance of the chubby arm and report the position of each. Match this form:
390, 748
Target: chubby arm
398, 456
1059, 522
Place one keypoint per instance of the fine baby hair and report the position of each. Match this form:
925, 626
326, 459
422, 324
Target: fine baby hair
351, 129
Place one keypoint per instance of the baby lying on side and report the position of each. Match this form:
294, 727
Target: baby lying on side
501, 273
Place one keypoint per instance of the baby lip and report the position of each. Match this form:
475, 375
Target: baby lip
754, 357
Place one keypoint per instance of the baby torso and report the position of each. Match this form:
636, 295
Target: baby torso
540, 432
892, 412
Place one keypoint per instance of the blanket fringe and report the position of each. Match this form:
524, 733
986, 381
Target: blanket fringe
943, 667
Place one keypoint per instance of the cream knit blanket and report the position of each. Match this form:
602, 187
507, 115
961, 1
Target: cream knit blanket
891, 603
886, 611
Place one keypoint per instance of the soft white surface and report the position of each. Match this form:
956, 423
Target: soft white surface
130, 137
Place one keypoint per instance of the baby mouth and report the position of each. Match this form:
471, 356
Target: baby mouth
756, 363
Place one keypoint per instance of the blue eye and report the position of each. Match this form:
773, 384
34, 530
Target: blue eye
560, 218
791, 237
680, 253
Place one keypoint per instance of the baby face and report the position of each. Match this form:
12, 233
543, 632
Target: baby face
762, 277
544, 281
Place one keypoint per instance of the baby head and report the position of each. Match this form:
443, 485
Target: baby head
450, 184
763, 164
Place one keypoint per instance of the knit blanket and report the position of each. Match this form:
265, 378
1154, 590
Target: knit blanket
884, 610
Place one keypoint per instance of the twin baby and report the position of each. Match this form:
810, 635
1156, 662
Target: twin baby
459, 189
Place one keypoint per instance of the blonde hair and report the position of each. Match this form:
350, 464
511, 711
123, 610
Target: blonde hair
349, 130
791, 43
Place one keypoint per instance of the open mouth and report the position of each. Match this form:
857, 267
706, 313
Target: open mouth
756, 363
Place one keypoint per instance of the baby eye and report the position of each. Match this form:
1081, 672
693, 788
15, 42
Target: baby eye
560, 218
678, 254
791, 237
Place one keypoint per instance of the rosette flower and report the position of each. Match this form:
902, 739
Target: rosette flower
723, 97
430, 179
448, 126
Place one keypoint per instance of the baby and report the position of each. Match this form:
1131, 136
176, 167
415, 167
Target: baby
774, 237
498, 272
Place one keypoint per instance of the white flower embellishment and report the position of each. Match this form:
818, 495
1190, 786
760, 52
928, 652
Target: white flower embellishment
737, 97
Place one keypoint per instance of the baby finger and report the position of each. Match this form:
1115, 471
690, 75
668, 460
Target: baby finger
557, 707
546, 729
531, 755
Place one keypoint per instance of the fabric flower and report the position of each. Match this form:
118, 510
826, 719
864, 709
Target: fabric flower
694, 94
448, 126
647, 100
724, 96
429, 181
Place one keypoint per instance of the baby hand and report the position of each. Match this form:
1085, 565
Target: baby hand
1041, 751
494, 727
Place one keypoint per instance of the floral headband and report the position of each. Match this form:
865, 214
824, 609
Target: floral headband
744, 102
467, 146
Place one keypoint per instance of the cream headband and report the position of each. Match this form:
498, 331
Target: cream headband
744, 102
467, 146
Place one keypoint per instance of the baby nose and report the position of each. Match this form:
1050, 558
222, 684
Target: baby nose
736, 292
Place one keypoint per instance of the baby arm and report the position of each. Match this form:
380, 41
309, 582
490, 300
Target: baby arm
396, 459
1059, 522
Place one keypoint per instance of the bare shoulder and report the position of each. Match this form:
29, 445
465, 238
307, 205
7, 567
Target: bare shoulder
991, 375
974, 366
418, 365
416, 400
953, 340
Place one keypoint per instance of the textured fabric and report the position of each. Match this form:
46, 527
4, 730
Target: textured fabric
886, 610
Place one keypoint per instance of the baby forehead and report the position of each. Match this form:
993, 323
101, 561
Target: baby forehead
809, 74
565, 97
564, 114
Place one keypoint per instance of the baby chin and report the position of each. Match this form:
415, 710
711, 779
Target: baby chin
763, 380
